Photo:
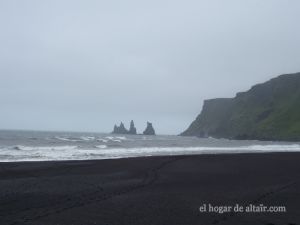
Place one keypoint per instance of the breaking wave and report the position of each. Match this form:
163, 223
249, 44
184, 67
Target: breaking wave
55, 153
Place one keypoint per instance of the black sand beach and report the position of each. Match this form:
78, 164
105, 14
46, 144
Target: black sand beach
151, 191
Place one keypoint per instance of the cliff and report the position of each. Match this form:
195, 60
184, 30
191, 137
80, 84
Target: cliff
268, 111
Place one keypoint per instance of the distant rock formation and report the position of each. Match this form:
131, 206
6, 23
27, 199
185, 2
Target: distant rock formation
120, 129
132, 129
149, 129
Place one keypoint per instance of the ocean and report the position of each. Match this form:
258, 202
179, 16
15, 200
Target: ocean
52, 146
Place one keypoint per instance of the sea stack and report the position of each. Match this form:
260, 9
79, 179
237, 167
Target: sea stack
132, 129
149, 129
120, 129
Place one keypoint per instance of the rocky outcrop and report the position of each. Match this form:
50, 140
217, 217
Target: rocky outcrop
132, 129
268, 111
149, 129
120, 129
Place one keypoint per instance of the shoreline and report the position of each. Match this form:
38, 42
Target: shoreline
151, 156
150, 190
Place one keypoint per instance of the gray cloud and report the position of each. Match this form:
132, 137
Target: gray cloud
84, 65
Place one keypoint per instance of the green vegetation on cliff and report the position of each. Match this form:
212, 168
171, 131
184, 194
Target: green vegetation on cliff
268, 111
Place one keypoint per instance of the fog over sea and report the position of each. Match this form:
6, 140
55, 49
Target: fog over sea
51, 146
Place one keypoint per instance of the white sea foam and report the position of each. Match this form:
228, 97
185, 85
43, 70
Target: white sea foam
121, 138
49, 153
69, 139
101, 146
64, 139
44, 148
110, 137
114, 139
87, 138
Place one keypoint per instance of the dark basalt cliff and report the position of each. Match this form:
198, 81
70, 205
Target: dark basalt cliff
268, 111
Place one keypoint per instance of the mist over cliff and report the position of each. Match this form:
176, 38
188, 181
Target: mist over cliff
268, 111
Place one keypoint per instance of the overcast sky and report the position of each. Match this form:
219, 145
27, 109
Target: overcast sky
86, 65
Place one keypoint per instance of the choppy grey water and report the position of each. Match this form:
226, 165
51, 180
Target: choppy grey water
44, 146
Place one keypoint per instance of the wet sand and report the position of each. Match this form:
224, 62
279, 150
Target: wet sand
151, 191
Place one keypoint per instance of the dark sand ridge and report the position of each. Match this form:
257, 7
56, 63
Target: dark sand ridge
150, 191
